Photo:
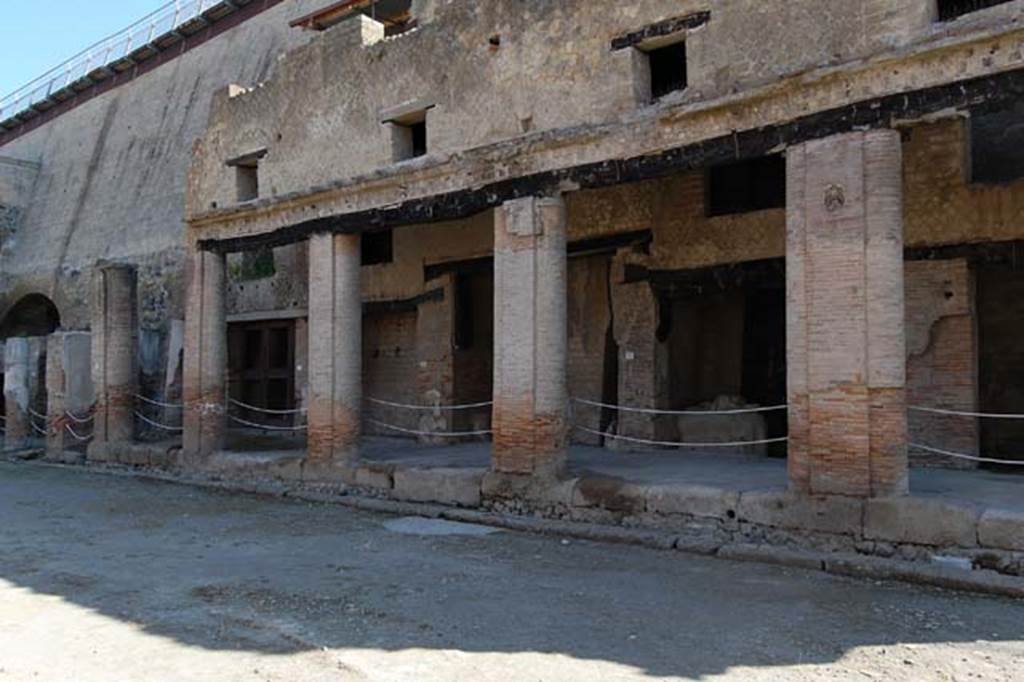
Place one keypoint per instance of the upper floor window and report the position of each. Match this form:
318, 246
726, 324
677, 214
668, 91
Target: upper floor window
667, 66
378, 247
247, 175
746, 186
659, 63
951, 9
409, 130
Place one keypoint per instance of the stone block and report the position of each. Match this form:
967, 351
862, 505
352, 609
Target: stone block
606, 492
781, 556
444, 486
328, 473
1002, 529
921, 521
693, 500
376, 475
822, 514
98, 453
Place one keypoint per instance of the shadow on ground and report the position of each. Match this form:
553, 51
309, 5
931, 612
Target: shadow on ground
231, 572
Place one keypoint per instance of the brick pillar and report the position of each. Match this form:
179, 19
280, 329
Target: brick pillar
844, 317
530, 336
335, 349
205, 369
113, 356
16, 393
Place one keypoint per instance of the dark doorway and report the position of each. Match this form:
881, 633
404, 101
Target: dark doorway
261, 361
1000, 301
725, 330
474, 347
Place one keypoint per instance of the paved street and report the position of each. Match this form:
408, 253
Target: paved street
106, 578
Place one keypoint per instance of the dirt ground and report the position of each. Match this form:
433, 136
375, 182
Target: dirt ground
105, 578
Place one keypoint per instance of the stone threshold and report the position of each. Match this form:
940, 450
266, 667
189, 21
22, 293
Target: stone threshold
911, 539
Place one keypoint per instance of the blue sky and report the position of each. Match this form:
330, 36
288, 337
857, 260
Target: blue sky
38, 34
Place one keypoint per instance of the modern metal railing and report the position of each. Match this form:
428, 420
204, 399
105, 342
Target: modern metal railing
107, 51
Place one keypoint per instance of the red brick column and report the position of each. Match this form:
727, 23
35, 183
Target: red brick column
335, 349
530, 337
16, 393
845, 323
205, 368
113, 356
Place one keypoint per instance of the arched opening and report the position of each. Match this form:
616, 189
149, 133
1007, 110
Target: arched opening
32, 315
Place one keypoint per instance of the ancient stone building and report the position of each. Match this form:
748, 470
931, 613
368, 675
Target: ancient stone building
302, 239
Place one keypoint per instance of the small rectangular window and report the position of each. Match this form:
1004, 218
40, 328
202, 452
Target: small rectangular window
247, 179
247, 182
668, 69
951, 9
753, 185
409, 137
377, 248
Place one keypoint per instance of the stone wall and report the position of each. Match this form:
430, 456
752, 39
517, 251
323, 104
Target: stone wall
106, 182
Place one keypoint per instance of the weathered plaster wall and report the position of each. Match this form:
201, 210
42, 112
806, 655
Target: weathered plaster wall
942, 359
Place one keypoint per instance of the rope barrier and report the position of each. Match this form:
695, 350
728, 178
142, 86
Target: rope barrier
435, 434
445, 408
265, 427
38, 429
79, 420
157, 425
239, 403
645, 410
674, 444
35, 414
158, 403
959, 413
970, 458
77, 436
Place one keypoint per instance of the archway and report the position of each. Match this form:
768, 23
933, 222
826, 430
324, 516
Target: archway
32, 315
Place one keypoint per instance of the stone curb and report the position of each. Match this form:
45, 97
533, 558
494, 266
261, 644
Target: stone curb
849, 565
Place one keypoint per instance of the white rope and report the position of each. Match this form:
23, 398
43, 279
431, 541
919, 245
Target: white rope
430, 408
673, 444
958, 413
38, 429
80, 438
158, 403
264, 410
645, 410
970, 458
265, 426
36, 414
79, 420
157, 424
435, 434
